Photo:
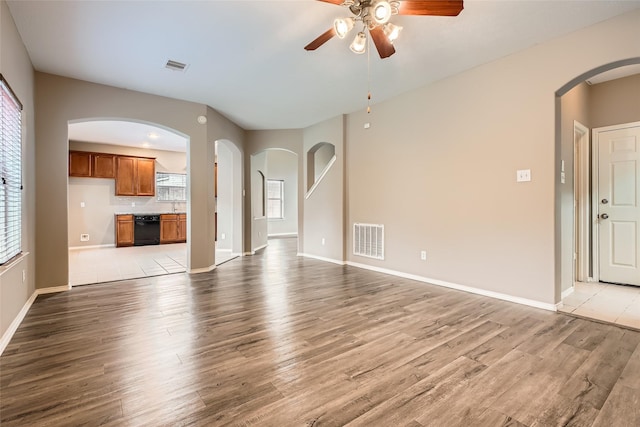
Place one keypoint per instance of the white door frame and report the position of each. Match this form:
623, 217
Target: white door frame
582, 202
594, 185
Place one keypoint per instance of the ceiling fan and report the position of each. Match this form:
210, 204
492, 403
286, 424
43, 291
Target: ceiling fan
375, 15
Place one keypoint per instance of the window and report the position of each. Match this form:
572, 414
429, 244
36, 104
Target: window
11, 171
171, 187
275, 199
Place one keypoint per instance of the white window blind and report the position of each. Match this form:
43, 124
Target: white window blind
11, 173
171, 187
275, 199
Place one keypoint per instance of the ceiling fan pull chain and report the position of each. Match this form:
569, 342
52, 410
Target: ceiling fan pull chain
368, 75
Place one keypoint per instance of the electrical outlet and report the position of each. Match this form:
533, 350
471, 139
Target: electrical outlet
82, 204
423, 255
523, 175
133, 204
223, 236
84, 237
323, 241
24, 276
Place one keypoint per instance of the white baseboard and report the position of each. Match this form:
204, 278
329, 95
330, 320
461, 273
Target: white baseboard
567, 292
477, 291
283, 235
78, 248
223, 250
13, 327
201, 270
248, 253
258, 248
320, 258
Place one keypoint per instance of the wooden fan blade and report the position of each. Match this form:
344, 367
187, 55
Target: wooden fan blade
431, 7
322, 39
384, 46
338, 2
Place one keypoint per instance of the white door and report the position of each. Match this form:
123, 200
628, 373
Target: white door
618, 203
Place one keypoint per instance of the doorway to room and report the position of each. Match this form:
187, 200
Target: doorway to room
124, 176
600, 269
228, 201
275, 191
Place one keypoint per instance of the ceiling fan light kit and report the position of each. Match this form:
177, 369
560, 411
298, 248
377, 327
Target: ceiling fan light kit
359, 44
375, 16
342, 26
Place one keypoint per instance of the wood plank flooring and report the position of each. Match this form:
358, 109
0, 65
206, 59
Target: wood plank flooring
276, 340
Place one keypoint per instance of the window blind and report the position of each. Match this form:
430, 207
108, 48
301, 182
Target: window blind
171, 187
275, 196
11, 173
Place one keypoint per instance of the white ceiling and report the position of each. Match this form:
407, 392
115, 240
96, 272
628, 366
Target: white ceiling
246, 58
130, 134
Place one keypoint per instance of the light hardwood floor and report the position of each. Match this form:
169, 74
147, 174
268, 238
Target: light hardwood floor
277, 340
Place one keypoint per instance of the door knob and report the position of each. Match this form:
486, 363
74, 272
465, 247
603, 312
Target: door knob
604, 216
605, 201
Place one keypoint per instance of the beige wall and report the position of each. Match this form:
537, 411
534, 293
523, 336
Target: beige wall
574, 107
438, 167
16, 68
615, 102
225, 198
324, 209
97, 217
60, 100
258, 200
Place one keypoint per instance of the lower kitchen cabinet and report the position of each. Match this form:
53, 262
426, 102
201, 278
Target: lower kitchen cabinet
124, 230
173, 228
182, 228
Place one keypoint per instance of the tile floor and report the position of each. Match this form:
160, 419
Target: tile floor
108, 264
606, 302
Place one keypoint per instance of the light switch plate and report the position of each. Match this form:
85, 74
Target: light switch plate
523, 175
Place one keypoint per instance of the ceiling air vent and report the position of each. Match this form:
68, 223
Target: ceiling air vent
176, 66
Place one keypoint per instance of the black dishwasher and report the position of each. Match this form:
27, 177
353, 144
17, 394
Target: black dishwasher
146, 230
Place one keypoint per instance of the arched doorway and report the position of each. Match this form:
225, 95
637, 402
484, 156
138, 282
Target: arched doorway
112, 234
588, 103
229, 201
274, 189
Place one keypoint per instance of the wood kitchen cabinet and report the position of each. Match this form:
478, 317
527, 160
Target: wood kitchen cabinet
80, 164
173, 228
146, 184
135, 176
124, 230
92, 165
103, 165
182, 228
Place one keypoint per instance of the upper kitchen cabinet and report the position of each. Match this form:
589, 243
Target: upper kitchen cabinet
80, 164
104, 165
92, 165
146, 177
135, 176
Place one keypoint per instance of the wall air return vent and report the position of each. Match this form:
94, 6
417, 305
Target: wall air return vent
368, 240
176, 66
